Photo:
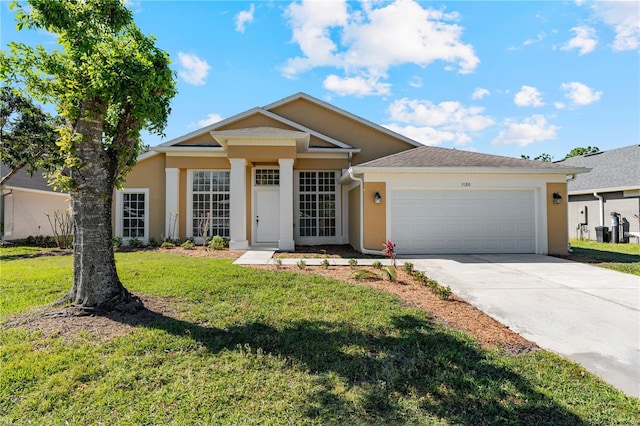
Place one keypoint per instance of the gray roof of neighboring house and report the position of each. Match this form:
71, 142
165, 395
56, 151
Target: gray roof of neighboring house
22, 179
431, 156
616, 169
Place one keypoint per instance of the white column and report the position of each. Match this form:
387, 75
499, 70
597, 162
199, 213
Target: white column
286, 243
172, 204
238, 205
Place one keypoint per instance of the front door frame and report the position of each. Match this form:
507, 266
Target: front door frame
255, 189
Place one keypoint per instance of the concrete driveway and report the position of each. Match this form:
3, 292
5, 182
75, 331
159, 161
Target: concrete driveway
588, 314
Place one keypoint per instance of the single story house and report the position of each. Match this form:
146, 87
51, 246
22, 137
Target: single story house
612, 186
26, 201
302, 171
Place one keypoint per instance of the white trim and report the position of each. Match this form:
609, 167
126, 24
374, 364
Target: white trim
469, 170
172, 199
36, 191
238, 204
600, 190
301, 95
198, 151
119, 217
326, 153
188, 221
286, 241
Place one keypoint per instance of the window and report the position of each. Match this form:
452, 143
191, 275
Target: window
132, 213
210, 203
267, 177
317, 204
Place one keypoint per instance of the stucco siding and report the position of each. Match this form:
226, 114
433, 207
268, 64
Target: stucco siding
24, 213
321, 164
375, 216
374, 143
612, 202
203, 163
557, 234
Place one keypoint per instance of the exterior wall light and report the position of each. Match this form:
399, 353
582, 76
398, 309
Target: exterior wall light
557, 198
377, 198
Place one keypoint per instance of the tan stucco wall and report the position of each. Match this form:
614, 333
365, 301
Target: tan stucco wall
375, 216
557, 219
205, 163
256, 120
262, 153
374, 143
150, 174
24, 213
354, 218
204, 139
321, 164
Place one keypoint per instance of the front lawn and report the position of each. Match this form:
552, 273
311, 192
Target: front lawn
235, 345
619, 257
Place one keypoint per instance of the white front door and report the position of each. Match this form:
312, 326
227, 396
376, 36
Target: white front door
267, 215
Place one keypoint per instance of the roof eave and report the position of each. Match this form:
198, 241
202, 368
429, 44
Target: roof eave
471, 169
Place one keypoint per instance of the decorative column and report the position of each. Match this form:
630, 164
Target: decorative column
286, 243
172, 203
238, 205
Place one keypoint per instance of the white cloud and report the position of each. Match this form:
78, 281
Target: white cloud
193, 70
416, 82
624, 17
580, 94
368, 42
211, 118
358, 86
433, 124
585, 40
528, 96
532, 129
480, 93
244, 17
429, 135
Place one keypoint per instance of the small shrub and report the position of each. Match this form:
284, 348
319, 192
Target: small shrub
432, 284
218, 243
408, 267
153, 243
278, 262
135, 243
420, 277
390, 251
364, 274
389, 273
377, 264
301, 264
325, 263
188, 245
167, 245
117, 242
443, 292
353, 262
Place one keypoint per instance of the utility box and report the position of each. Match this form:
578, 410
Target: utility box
602, 234
583, 216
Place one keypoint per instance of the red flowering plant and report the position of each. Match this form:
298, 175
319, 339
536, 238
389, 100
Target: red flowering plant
390, 251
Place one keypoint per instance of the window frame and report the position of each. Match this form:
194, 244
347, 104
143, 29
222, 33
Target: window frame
337, 193
119, 222
189, 201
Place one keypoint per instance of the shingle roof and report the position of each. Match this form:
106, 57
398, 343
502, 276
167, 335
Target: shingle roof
613, 169
22, 179
430, 156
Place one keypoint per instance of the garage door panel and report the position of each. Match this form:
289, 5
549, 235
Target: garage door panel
478, 221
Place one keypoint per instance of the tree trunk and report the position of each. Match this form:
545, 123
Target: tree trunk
96, 285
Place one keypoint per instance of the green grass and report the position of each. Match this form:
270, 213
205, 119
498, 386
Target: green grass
619, 257
274, 347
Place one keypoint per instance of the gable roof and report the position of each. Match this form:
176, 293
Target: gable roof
309, 98
23, 180
450, 159
612, 170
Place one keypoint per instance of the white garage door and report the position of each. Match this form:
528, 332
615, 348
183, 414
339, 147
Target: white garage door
463, 221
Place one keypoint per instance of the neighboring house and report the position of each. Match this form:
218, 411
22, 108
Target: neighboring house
612, 186
302, 171
26, 199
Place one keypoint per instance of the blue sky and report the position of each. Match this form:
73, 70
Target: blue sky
505, 78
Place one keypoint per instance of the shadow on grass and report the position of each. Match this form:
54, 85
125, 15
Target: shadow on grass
442, 374
598, 256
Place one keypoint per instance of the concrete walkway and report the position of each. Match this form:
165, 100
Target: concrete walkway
588, 314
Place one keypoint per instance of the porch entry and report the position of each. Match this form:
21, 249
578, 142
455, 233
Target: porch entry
266, 200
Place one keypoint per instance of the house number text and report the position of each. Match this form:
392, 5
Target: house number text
466, 183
